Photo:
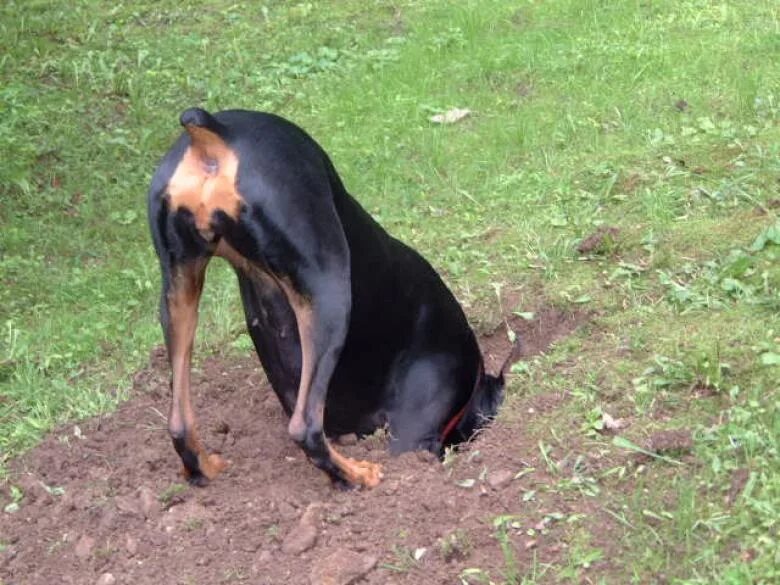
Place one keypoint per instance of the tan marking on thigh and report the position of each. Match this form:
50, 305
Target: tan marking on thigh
303, 316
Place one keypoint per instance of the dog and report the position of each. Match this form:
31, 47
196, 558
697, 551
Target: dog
354, 329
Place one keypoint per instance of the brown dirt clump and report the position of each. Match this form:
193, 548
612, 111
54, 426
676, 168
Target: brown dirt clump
739, 479
670, 442
103, 502
601, 241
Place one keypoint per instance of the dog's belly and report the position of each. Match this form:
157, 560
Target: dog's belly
357, 400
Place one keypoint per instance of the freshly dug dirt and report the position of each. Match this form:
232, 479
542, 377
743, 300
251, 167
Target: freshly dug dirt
103, 502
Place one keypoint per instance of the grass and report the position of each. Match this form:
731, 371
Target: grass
660, 119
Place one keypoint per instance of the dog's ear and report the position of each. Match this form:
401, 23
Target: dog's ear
206, 132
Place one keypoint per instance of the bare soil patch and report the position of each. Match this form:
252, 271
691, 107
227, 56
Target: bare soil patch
599, 242
103, 503
674, 441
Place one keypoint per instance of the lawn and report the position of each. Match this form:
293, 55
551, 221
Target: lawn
658, 119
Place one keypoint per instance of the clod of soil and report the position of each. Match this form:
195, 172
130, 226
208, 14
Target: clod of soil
671, 442
739, 479
602, 241
303, 536
342, 567
500, 478
760, 210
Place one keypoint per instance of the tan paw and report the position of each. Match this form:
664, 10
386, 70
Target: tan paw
211, 465
364, 473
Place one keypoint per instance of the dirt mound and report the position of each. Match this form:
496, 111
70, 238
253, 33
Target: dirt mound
101, 501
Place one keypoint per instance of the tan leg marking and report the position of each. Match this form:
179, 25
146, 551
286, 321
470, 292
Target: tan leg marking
183, 308
303, 316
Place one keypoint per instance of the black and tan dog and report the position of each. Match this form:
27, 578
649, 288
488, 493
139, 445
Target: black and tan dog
354, 329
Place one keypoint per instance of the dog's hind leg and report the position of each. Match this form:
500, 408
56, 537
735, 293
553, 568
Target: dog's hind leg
183, 260
322, 321
181, 307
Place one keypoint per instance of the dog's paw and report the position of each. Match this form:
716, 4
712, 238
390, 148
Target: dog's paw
212, 465
196, 479
209, 467
356, 473
364, 473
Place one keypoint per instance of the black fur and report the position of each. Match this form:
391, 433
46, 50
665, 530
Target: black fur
393, 346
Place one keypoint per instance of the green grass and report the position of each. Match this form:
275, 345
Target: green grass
659, 118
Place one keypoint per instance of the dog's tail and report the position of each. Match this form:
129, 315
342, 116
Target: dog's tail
481, 408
